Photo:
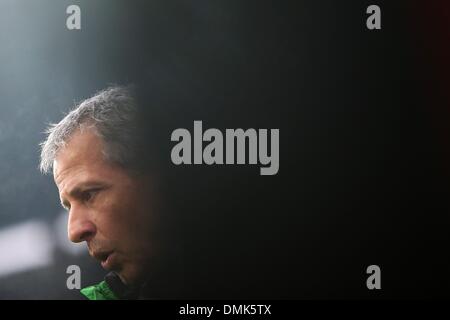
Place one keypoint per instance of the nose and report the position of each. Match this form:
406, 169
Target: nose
80, 227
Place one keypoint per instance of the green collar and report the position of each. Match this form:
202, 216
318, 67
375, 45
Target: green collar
99, 291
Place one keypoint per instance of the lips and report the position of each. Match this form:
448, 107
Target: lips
106, 264
105, 257
101, 255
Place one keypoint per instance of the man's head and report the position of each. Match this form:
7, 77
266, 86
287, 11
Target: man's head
102, 181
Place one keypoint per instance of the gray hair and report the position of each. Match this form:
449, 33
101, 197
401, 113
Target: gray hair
112, 113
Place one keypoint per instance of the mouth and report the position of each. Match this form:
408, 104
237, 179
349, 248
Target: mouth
105, 258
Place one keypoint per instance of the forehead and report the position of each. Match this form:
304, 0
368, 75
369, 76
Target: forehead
82, 151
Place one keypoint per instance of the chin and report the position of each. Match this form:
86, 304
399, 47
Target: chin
131, 275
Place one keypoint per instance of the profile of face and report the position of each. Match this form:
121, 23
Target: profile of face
109, 208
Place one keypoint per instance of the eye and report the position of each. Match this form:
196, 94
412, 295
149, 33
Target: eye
88, 195
66, 206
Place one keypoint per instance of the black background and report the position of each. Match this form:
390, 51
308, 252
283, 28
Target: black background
362, 179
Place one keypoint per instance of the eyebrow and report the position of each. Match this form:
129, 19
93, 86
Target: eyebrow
80, 188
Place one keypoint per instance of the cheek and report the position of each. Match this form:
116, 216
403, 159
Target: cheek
118, 215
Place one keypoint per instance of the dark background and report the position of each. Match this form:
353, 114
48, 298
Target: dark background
362, 115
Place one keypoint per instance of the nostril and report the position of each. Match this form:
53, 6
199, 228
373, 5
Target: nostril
79, 232
86, 236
